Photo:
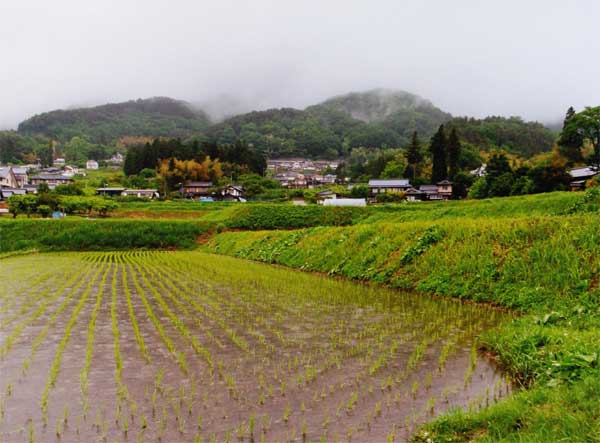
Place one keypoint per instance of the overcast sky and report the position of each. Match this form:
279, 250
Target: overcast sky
469, 57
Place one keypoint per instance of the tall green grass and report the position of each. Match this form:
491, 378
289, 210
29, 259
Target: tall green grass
546, 267
87, 235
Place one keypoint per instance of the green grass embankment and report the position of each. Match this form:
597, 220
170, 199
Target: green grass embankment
87, 235
547, 267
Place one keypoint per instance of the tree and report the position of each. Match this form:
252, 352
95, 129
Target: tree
497, 165
414, 157
586, 124
46, 155
438, 149
18, 204
454, 149
43, 188
479, 188
570, 139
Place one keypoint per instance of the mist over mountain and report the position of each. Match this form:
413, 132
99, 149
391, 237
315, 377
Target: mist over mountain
157, 116
377, 118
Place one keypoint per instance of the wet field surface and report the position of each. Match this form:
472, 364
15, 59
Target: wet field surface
187, 346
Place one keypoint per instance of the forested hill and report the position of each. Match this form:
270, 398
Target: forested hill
158, 116
373, 119
398, 110
378, 118
511, 134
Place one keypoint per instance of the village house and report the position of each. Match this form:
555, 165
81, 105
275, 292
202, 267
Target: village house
445, 189
291, 180
579, 176
6, 193
110, 192
91, 164
327, 194
141, 193
196, 189
116, 159
8, 178
430, 192
70, 171
415, 195
234, 193
59, 162
21, 175
51, 180
379, 186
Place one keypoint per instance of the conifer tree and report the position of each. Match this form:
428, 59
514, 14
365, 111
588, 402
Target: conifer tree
439, 154
414, 157
453, 154
570, 140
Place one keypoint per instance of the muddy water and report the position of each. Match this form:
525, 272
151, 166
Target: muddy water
231, 346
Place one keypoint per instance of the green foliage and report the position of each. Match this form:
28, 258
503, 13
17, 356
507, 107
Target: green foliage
285, 216
584, 125
390, 197
385, 117
159, 116
430, 237
90, 235
492, 251
570, 140
512, 134
374, 119
500, 179
21, 148
439, 155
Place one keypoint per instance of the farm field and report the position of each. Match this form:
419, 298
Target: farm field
190, 346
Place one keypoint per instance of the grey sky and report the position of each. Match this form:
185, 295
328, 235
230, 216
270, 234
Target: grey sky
530, 58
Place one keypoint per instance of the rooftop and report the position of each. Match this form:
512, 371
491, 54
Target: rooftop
586, 171
198, 184
389, 182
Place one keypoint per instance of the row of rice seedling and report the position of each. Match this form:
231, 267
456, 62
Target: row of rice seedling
55, 367
85, 371
158, 324
334, 356
27, 298
41, 309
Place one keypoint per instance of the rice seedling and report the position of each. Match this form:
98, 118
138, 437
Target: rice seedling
314, 344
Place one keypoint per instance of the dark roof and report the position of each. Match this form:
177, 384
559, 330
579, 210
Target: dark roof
51, 177
198, 185
140, 190
5, 171
326, 192
110, 189
413, 191
428, 188
444, 182
400, 182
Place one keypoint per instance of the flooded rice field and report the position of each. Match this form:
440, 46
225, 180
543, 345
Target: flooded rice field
187, 346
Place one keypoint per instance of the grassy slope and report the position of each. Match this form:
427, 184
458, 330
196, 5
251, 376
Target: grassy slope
545, 266
76, 234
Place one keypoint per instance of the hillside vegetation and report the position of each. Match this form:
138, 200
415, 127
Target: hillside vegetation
374, 119
512, 134
159, 116
545, 267
379, 118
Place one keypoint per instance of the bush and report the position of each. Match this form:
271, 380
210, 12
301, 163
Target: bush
44, 210
390, 197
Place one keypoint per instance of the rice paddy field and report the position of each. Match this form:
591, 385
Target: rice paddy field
190, 346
